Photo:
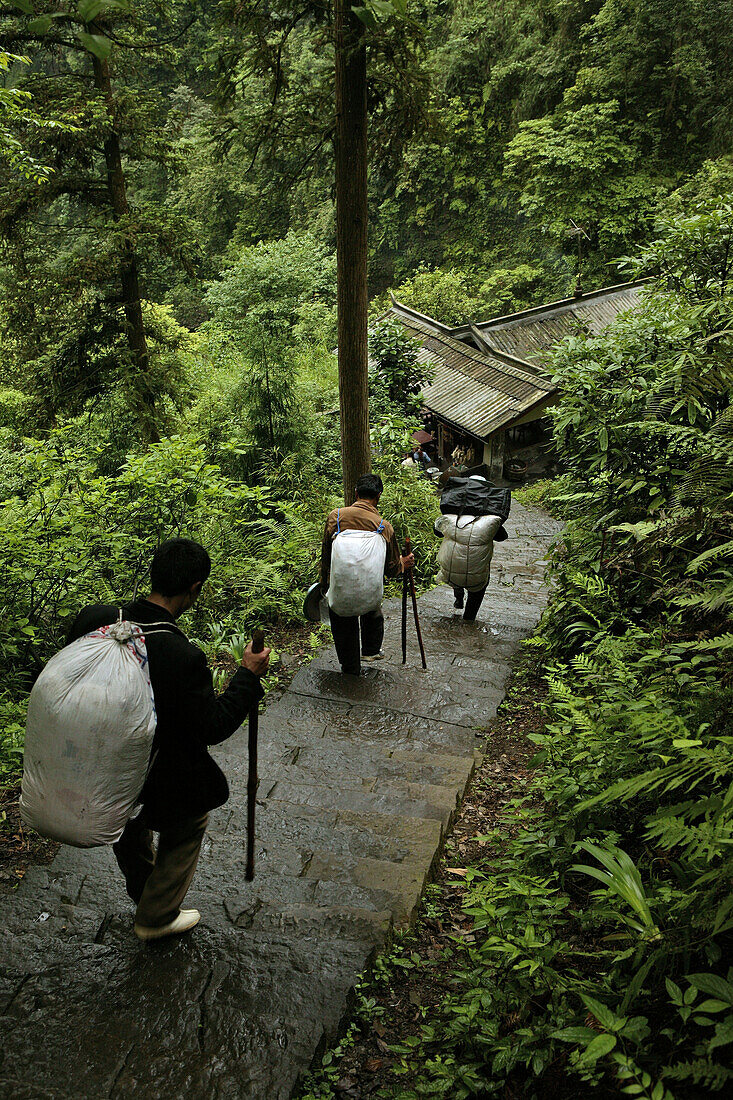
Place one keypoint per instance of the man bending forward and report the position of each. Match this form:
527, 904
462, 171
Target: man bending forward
184, 783
362, 515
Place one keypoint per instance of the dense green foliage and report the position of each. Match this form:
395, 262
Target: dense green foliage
602, 927
499, 131
494, 128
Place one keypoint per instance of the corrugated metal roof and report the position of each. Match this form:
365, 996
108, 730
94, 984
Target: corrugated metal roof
477, 392
488, 375
484, 387
530, 335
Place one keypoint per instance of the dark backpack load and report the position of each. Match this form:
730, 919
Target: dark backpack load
468, 496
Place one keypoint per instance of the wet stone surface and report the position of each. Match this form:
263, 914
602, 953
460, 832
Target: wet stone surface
359, 781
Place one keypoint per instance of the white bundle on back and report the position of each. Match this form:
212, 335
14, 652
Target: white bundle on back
89, 733
357, 572
467, 548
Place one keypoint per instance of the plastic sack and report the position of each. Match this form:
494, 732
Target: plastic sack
356, 583
89, 734
465, 553
474, 496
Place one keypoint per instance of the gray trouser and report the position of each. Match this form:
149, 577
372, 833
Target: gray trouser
158, 881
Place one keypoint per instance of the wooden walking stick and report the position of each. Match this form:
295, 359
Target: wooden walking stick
404, 614
411, 578
258, 644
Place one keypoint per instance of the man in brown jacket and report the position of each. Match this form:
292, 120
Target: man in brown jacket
362, 515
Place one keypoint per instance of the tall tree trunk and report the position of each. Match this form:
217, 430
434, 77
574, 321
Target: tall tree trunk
129, 279
351, 242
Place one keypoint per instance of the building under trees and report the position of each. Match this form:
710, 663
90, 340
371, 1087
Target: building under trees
491, 382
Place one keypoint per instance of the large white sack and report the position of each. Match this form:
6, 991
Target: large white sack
465, 553
89, 733
356, 583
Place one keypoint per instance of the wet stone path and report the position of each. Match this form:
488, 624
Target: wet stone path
360, 779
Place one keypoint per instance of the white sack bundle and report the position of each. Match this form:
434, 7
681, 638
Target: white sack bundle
89, 733
466, 550
356, 583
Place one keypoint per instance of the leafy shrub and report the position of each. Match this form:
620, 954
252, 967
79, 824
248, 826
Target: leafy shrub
72, 536
539, 494
602, 921
454, 296
396, 376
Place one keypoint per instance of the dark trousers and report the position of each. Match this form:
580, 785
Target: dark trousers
158, 881
345, 630
473, 601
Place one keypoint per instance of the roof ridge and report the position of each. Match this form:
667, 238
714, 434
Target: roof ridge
534, 311
400, 307
501, 359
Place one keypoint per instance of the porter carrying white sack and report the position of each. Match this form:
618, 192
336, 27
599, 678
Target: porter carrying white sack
89, 735
356, 583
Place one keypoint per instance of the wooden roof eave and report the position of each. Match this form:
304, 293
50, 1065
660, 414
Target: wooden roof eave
519, 417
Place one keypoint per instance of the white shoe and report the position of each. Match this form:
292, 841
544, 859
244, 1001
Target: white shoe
184, 922
374, 657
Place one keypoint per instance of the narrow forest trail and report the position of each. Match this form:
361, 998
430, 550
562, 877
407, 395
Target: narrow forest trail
360, 780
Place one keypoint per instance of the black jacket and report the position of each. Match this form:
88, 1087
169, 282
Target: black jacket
184, 781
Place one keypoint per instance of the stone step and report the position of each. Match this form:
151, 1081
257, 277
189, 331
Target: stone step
361, 767
305, 720
385, 687
246, 904
404, 799
340, 920
288, 834
359, 781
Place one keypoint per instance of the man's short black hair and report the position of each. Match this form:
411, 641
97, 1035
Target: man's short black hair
177, 565
369, 486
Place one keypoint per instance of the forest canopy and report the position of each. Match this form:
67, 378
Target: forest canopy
167, 334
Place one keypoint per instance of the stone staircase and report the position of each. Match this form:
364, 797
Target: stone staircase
359, 782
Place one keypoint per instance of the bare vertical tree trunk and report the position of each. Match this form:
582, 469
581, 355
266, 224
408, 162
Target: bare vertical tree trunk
351, 242
128, 266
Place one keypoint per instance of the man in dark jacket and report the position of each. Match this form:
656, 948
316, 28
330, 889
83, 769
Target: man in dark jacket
184, 782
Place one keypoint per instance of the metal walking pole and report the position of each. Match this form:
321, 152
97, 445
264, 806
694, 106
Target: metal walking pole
408, 550
258, 644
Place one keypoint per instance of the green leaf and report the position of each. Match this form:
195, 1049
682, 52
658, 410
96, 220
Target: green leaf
23, 5
603, 1014
573, 1034
674, 991
713, 985
42, 25
601, 1045
723, 1035
376, 11
367, 17
97, 44
622, 876
90, 9
712, 1005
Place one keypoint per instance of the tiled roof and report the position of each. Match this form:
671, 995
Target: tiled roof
488, 375
478, 393
529, 335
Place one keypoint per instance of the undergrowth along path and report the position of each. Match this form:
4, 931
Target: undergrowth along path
360, 782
